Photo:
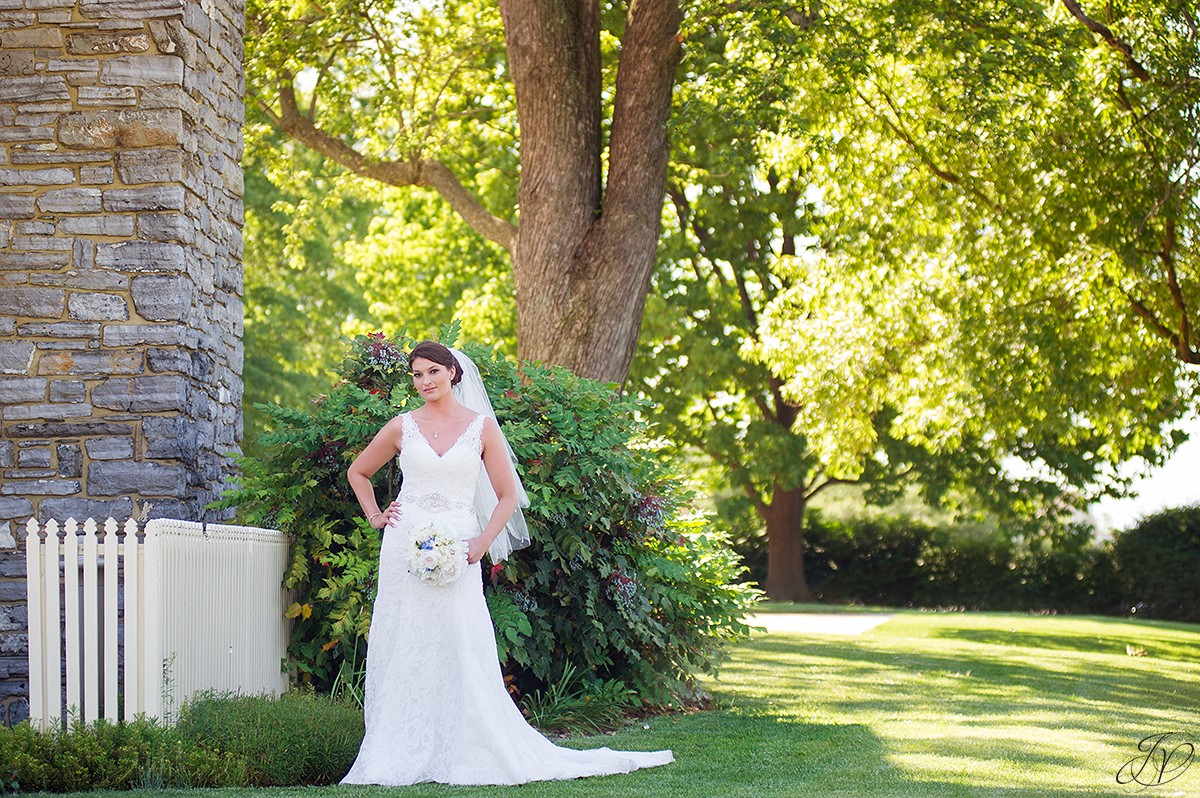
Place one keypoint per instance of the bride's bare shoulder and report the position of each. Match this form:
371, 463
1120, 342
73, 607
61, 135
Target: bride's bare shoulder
489, 430
394, 430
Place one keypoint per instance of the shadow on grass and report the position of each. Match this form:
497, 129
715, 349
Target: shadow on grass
747, 755
724, 754
1122, 636
884, 678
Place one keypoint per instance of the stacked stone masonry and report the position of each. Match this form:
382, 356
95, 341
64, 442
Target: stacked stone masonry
120, 270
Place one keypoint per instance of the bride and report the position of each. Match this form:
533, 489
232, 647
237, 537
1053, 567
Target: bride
436, 705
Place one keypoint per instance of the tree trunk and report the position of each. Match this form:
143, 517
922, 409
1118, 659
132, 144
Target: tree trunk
785, 546
584, 252
585, 246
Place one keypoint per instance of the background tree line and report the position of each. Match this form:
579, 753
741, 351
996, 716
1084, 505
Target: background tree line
902, 245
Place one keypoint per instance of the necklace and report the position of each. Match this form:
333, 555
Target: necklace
438, 431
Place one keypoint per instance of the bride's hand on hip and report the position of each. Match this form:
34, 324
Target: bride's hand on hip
390, 515
476, 548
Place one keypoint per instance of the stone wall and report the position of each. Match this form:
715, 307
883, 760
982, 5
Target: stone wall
120, 270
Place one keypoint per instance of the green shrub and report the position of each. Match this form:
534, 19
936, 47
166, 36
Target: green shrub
570, 706
903, 563
113, 756
219, 741
298, 738
872, 562
965, 570
1157, 566
616, 584
1069, 577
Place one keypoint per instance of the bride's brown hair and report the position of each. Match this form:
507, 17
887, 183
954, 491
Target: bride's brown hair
437, 353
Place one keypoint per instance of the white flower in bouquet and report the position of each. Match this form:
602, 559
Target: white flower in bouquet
436, 556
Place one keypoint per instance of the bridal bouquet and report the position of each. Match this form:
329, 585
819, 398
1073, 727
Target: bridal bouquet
436, 556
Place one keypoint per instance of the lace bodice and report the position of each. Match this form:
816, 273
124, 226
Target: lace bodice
440, 482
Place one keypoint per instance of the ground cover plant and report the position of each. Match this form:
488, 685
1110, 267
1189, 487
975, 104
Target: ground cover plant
298, 738
944, 705
219, 740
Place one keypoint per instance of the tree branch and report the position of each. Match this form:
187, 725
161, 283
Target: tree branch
1167, 256
423, 172
785, 413
813, 491
803, 15
1186, 353
688, 220
1110, 38
1136, 121
921, 151
747, 303
638, 146
908, 138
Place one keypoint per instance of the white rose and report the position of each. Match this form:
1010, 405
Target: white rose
426, 560
451, 569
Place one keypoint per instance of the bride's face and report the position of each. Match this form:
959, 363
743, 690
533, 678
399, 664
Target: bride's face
432, 380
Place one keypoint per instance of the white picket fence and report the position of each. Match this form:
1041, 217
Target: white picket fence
128, 624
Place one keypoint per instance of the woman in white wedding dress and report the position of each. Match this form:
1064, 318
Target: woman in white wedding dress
436, 704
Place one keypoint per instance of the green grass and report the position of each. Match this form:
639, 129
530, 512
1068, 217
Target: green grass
925, 705
776, 607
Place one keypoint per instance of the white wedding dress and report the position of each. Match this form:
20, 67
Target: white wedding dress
436, 704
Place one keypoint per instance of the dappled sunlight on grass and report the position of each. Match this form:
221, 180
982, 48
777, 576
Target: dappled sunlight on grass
986, 700
1099, 636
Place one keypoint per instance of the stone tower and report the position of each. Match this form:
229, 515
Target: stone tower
120, 269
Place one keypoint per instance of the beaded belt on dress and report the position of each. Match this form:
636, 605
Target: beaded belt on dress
436, 502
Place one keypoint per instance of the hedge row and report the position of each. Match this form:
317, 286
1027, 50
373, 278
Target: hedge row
1151, 570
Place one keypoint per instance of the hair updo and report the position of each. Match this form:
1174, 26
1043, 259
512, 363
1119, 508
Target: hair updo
437, 353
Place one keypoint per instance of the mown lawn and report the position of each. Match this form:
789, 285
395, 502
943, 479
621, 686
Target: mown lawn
927, 704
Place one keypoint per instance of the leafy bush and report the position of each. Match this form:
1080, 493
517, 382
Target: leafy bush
113, 756
899, 562
1070, 577
616, 584
298, 738
220, 741
1149, 570
1156, 566
872, 562
974, 571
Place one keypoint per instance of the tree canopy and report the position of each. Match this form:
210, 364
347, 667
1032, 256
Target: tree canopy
899, 213
903, 240
1011, 257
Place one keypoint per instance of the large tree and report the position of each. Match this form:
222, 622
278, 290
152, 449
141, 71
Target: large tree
1018, 253
422, 94
947, 263
1097, 104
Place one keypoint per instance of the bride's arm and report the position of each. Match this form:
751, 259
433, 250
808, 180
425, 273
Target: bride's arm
495, 462
379, 451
